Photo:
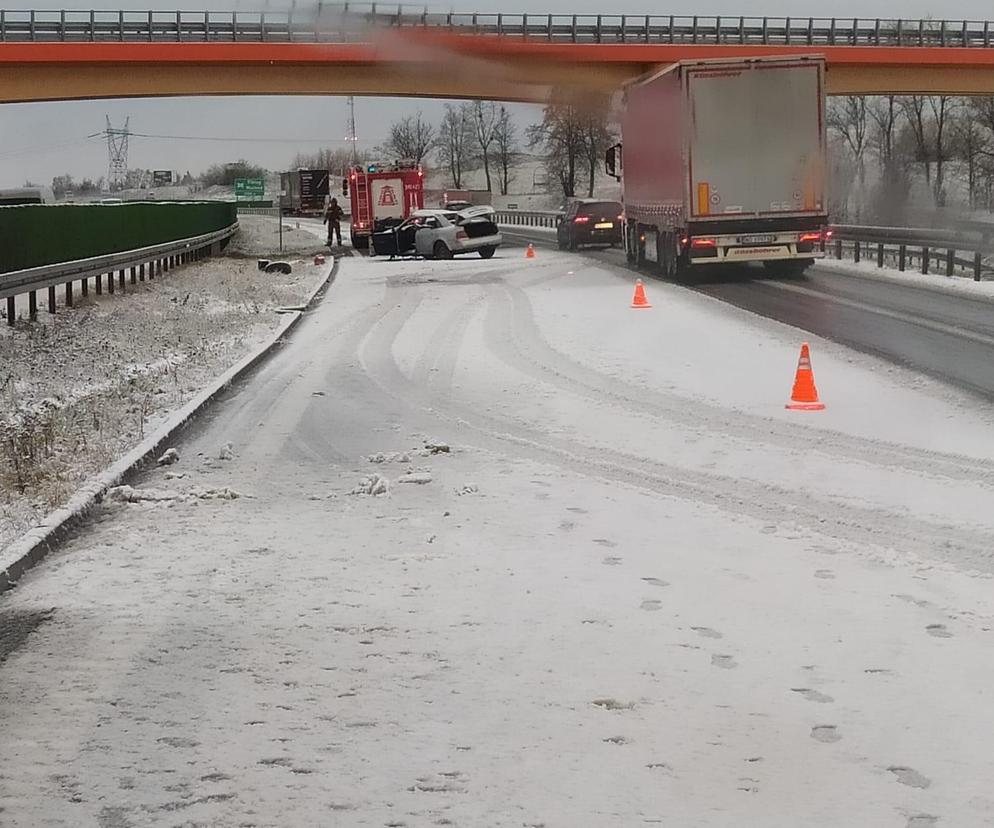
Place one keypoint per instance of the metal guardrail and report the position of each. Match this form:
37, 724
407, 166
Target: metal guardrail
144, 262
528, 218
925, 248
931, 250
350, 22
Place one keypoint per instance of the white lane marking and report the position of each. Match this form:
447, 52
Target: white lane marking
938, 327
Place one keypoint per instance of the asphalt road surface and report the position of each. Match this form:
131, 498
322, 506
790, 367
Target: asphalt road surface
943, 335
481, 545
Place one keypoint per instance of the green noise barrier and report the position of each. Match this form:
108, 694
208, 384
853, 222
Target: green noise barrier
33, 235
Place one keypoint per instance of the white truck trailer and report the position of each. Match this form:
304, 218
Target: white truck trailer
724, 161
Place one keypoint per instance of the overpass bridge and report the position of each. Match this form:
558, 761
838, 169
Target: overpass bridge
372, 50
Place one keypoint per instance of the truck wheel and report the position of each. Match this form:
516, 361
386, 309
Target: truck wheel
487, 252
631, 244
360, 242
441, 250
666, 254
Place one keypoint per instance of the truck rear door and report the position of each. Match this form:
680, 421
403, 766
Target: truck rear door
756, 145
388, 198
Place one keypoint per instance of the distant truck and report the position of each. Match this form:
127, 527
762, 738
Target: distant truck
724, 161
26, 195
304, 192
382, 196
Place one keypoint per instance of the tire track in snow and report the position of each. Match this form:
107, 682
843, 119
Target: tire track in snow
767, 503
527, 350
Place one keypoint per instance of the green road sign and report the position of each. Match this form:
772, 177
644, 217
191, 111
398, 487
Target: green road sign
249, 188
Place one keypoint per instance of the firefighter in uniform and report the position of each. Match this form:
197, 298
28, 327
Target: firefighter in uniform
333, 216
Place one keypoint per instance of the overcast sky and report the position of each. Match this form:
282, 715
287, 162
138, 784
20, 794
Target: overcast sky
38, 141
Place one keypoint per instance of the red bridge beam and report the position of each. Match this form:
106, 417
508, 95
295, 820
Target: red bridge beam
418, 62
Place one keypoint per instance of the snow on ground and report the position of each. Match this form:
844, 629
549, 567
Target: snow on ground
260, 236
635, 591
81, 387
964, 285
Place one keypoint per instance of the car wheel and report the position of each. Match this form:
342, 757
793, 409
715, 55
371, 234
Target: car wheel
572, 242
487, 252
441, 250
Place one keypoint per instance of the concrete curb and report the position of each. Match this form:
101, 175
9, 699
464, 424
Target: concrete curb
36, 543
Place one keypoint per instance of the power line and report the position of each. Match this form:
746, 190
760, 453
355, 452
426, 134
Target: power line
241, 139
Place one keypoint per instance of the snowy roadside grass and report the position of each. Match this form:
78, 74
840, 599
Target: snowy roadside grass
260, 236
80, 388
962, 285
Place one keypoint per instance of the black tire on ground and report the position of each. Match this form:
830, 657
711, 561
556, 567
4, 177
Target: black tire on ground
788, 267
631, 241
487, 252
360, 242
441, 250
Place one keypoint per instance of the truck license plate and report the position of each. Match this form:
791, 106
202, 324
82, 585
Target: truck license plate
768, 239
604, 225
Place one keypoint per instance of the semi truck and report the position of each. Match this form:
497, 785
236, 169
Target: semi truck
304, 192
382, 196
724, 161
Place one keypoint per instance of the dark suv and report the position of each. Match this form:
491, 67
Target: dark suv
589, 221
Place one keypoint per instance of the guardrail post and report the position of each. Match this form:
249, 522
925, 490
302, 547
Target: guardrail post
11, 310
84, 287
924, 260
110, 282
838, 248
950, 262
100, 284
51, 298
32, 305
120, 280
902, 251
134, 275
141, 272
68, 294
977, 258
880, 255
855, 251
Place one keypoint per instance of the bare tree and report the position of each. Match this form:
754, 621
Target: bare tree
485, 117
596, 136
505, 148
572, 135
970, 143
847, 117
334, 160
885, 113
411, 139
943, 108
455, 141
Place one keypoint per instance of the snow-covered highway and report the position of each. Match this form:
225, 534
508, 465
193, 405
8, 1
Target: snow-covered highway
636, 590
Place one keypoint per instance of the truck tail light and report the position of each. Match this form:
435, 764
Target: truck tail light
704, 243
581, 219
810, 237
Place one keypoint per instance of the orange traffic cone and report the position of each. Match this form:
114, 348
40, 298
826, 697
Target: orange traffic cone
639, 300
530, 252
804, 396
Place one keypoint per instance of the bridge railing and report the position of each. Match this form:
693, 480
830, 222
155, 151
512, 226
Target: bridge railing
350, 22
968, 250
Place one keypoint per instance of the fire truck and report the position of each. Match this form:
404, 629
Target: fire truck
382, 195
